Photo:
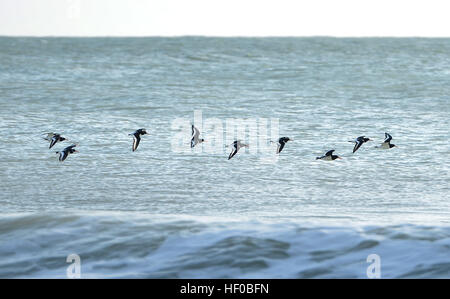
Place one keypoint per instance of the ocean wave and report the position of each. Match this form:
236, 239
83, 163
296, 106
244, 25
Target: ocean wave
140, 245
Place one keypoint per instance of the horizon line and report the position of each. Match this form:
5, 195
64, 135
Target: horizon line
221, 36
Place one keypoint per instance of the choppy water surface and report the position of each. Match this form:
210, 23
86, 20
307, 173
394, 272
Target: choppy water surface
161, 213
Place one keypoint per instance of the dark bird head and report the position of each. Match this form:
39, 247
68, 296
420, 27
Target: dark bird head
391, 145
284, 139
202, 140
62, 138
367, 139
143, 132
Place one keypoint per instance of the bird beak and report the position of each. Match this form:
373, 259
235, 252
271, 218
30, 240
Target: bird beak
76, 151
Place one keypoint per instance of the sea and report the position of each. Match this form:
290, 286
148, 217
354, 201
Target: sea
168, 210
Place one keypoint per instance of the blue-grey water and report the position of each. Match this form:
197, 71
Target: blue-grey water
165, 213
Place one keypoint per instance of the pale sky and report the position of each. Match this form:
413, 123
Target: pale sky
430, 18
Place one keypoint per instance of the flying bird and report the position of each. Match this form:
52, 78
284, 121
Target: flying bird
65, 152
281, 143
236, 146
194, 138
359, 141
387, 142
329, 156
54, 138
137, 137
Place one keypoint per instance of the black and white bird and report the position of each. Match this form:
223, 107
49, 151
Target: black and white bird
65, 152
359, 141
195, 137
281, 143
329, 156
387, 142
54, 138
137, 137
235, 148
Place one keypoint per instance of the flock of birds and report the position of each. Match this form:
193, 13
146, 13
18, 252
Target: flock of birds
54, 138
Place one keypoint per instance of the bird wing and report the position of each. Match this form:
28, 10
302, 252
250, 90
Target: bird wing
388, 137
63, 155
53, 141
195, 134
233, 152
358, 144
49, 136
136, 140
280, 147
